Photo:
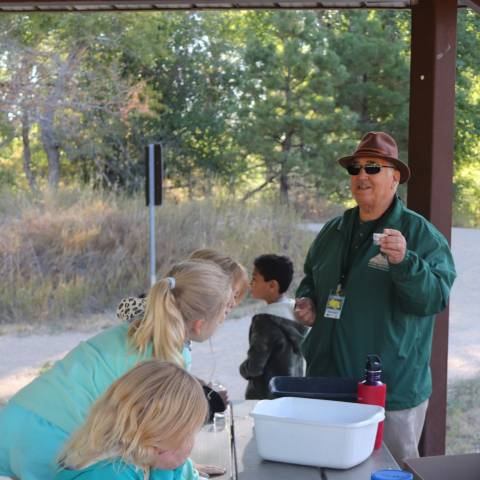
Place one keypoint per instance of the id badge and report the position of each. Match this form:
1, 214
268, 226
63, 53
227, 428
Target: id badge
335, 303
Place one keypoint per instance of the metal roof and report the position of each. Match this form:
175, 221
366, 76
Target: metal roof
24, 6
141, 5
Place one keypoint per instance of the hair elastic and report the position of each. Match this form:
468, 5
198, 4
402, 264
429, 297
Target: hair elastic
171, 282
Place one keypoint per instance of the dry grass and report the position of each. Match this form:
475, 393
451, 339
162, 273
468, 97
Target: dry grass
463, 412
78, 252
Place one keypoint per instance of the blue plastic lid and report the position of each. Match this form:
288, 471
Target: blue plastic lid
392, 475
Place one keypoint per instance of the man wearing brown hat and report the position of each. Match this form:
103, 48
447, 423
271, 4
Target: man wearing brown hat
375, 278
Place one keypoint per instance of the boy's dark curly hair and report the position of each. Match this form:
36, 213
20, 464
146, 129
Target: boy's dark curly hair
275, 267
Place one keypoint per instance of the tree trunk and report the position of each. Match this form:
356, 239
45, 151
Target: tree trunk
27, 157
269, 180
364, 110
190, 187
284, 186
284, 181
287, 143
50, 141
51, 148
208, 185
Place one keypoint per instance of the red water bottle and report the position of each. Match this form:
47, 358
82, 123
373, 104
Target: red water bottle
372, 391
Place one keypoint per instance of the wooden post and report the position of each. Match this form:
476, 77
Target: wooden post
431, 142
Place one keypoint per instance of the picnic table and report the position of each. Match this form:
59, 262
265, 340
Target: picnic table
216, 445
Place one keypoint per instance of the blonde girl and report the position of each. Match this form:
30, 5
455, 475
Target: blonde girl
188, 304
236, 271
133, 308
143, 424
171, 300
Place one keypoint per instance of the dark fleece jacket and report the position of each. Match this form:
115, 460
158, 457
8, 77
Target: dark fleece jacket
274, 351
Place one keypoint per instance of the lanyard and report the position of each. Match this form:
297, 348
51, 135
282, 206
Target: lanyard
349, 257
346, 253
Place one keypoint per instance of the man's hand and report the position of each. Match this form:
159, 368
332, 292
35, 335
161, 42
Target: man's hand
393, 245
305, 311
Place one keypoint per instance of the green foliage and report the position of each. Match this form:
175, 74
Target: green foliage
289, 119
244, 101
192, 118
374, 49
466, 209
467, 131
7, 179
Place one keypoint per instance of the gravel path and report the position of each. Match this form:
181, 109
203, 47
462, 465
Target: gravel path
217, 360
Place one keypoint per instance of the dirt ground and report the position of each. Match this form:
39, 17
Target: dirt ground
22, 356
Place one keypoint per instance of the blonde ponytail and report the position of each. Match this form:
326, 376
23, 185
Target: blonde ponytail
201, 291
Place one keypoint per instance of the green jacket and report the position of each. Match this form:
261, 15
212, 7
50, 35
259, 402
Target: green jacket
389, 309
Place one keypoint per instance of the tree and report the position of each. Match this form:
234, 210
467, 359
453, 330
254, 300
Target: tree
195, 84
46, 84
288, 118
374, 47
467, 124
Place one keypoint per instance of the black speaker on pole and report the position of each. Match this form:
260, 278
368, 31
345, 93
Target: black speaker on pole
154, 149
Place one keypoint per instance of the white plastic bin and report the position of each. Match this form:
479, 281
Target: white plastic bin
321, 433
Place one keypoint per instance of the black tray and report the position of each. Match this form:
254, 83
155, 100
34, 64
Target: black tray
326, 388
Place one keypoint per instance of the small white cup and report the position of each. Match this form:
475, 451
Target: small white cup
219, 421
377, 237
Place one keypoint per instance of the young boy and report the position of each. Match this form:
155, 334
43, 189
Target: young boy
274, 335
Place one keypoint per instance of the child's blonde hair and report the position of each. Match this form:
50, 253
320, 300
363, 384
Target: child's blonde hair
198, 291
235, 270
155, 405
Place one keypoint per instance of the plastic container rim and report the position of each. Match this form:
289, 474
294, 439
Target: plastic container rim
377, 417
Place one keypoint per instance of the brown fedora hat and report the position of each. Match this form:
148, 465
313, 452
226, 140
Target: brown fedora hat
378, 145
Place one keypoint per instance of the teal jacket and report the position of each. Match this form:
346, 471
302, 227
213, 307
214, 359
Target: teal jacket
64, 394
389, 309
57, 402
118, 470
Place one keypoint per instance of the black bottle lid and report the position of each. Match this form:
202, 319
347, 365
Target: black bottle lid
374, 363
373, 370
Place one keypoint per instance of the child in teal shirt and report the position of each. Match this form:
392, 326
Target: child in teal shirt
187, 305
142, 428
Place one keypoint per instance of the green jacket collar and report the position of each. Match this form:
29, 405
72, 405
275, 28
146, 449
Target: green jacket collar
391, 219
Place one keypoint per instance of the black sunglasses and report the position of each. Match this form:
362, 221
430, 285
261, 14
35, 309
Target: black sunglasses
369, 169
